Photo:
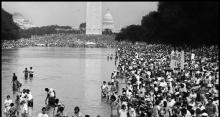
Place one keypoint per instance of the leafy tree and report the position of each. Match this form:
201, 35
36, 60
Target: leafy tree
107, 32
53, 29
178, 23
82, 27
150, 25
9, 28
131, 33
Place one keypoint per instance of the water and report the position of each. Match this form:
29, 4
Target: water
75, 73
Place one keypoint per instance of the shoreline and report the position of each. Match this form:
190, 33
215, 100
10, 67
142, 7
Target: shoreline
54, 46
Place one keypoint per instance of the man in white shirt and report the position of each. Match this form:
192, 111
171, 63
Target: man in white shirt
170, 103
29, 98
51, 95
104, 89
123, 111
163, 83
43, 114
129, 94
132, 112
24, 108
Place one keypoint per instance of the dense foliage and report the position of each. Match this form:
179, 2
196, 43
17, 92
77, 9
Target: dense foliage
82, 27
53, 29
9, 29
107, 32
178, 23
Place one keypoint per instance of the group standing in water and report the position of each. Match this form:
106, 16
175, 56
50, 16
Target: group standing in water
111, 56
29, 73
23, 101
22, 105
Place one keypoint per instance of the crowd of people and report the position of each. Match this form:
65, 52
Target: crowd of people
153, 89
62, 40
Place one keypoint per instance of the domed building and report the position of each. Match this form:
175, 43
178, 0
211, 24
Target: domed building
21, 21
108, 21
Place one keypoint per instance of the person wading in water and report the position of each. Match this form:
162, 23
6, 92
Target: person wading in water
16, 85
77, 112
31, 72
51, 96
25, 73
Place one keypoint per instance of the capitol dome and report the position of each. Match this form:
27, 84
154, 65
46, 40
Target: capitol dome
108, 19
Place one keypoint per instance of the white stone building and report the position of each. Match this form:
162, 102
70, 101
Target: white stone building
108, 22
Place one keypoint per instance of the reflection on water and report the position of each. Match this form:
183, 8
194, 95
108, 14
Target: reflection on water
75, 73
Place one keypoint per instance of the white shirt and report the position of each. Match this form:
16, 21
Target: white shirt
148, 73
29, 96
198, 81
138, 83
163, 84
25, 108
42, 115
31, 71
23, 95
78, 115
8, 102
51, 93
104, 87
129, 87
193, 95
188, 114
129, 94
132, 113
122, 113
171, 103
112, 80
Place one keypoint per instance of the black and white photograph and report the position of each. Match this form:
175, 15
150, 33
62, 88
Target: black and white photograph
110, 59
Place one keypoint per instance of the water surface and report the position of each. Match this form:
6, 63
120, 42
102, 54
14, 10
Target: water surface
75, 73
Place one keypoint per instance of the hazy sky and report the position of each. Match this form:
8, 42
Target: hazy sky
74, 13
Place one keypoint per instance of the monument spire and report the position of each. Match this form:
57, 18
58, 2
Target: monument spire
94, 18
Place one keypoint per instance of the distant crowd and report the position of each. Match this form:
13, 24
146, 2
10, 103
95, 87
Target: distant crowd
62, 40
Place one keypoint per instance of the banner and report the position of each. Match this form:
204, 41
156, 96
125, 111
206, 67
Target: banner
192, 56
177, 60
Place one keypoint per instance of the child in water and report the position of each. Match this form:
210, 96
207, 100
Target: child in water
31, 72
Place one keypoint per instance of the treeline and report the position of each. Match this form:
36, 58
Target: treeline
53, 29
10, 30
177, 23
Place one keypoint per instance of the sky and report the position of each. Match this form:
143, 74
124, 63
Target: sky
74, 13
